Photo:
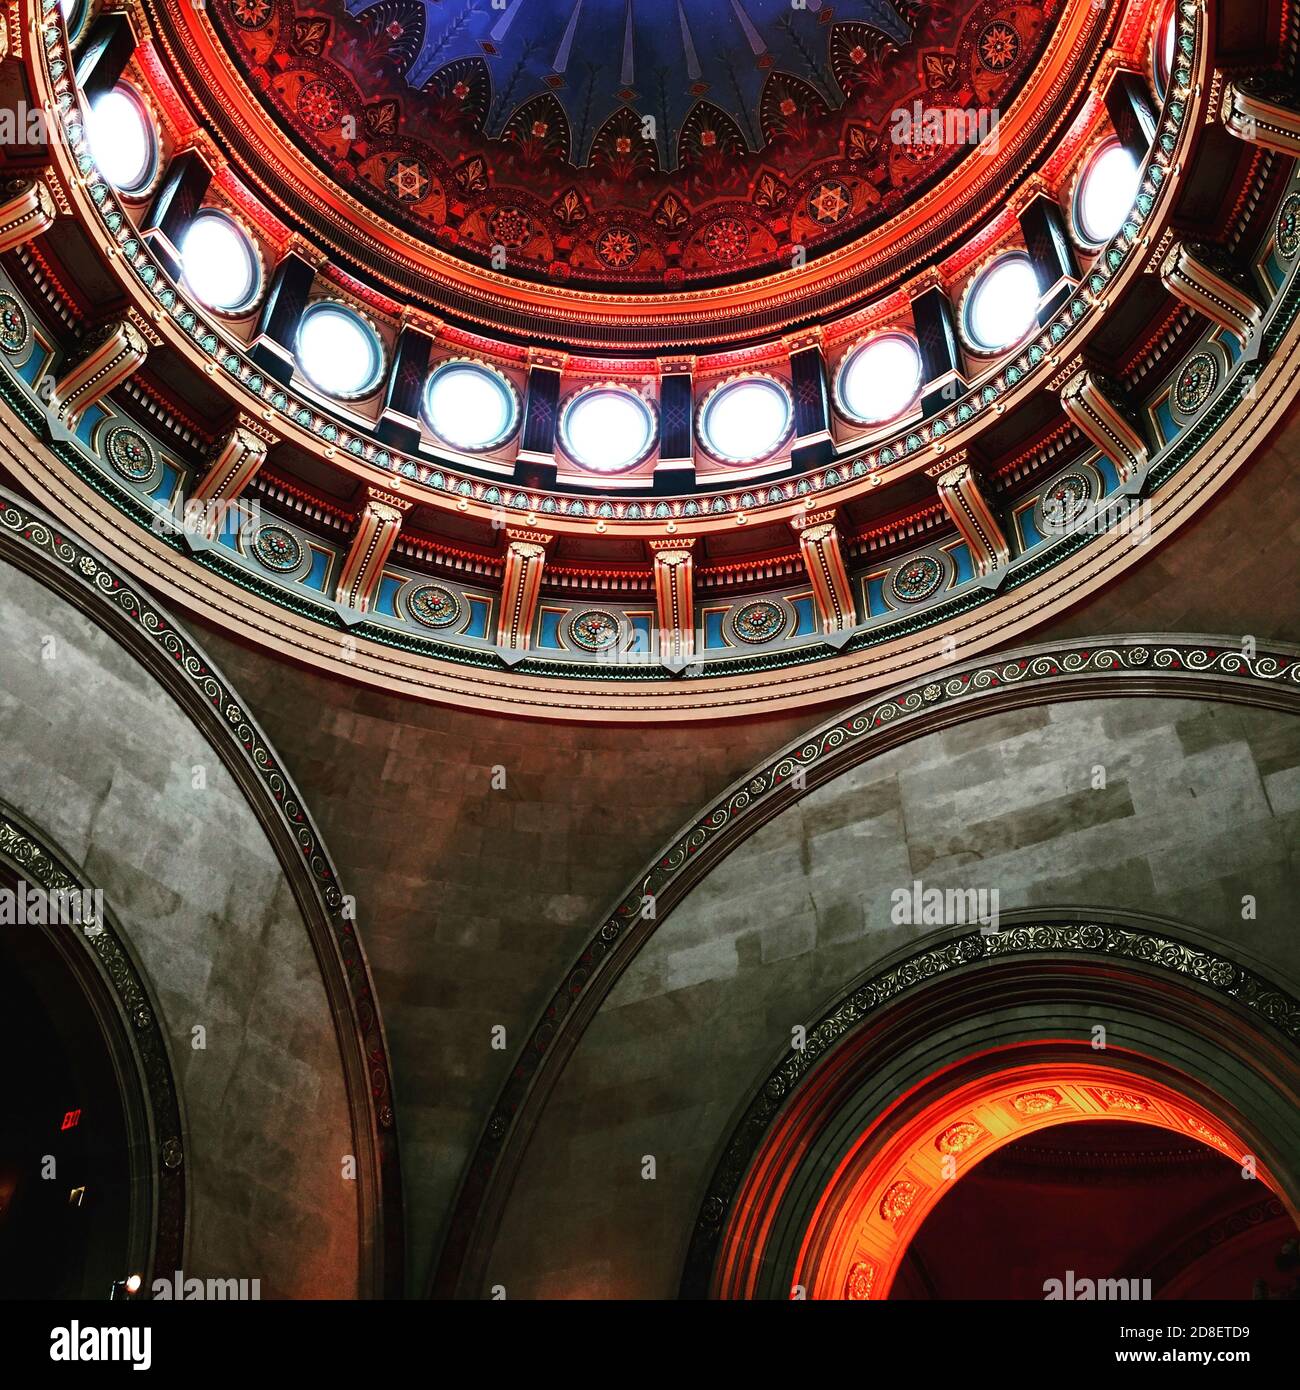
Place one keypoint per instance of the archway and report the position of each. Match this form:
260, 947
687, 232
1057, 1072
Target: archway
885, 1192
1100, 1210
936, 1062
92, 1185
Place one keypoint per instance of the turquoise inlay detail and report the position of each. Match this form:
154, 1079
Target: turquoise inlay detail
1231, 346
1169, 427
386, 599
166, 488
86, 425
478, 617
962, 562
549, 636
1109, 474
876, 597
315, 577
1274, 272
805, 620
1027, 530
713, 629
33, 368
641, 632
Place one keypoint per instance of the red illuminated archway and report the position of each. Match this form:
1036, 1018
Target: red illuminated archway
945, 1055
885, 1190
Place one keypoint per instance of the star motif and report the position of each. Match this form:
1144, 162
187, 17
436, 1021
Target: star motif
829, 203
407, 179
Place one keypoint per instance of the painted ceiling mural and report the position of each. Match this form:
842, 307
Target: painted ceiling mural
636, 142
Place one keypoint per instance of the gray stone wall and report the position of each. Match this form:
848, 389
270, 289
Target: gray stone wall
95, 753
1200, 806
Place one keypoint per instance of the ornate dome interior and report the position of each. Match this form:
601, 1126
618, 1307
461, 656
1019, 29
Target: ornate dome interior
598, 143
657, 487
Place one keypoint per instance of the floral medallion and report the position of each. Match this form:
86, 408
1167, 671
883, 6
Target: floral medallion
434, 606
862, 1278
250, 14
897, 1202
510, 227
1122, 1100
277, 548
1288, 226
917, 579
130, 454
1065, 499
14, 328
956, 1139
595, 630
320, 106
829, 203
1198, 378
726, 239
1036, 1102
758, 622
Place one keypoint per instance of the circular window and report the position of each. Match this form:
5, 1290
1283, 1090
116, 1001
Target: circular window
122, 140
880, 379
607, 428
219, 263
469, 406
1001, 304
744, 421
1105, 194
338, 350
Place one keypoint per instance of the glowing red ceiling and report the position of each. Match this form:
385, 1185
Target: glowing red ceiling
629, 143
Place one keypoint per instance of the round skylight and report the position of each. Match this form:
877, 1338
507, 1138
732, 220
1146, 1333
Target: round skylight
469, 406
881, 379
1106, 193
607, 429
338, 350
1002, 304
746, 420
219, 262
122, 140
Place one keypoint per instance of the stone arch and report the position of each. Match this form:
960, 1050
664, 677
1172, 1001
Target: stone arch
957, 1036
173, 802
1010, 721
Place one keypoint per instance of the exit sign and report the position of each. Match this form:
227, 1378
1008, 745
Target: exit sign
71, 1119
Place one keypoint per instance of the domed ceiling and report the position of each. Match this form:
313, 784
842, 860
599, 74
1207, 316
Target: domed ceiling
633, 142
